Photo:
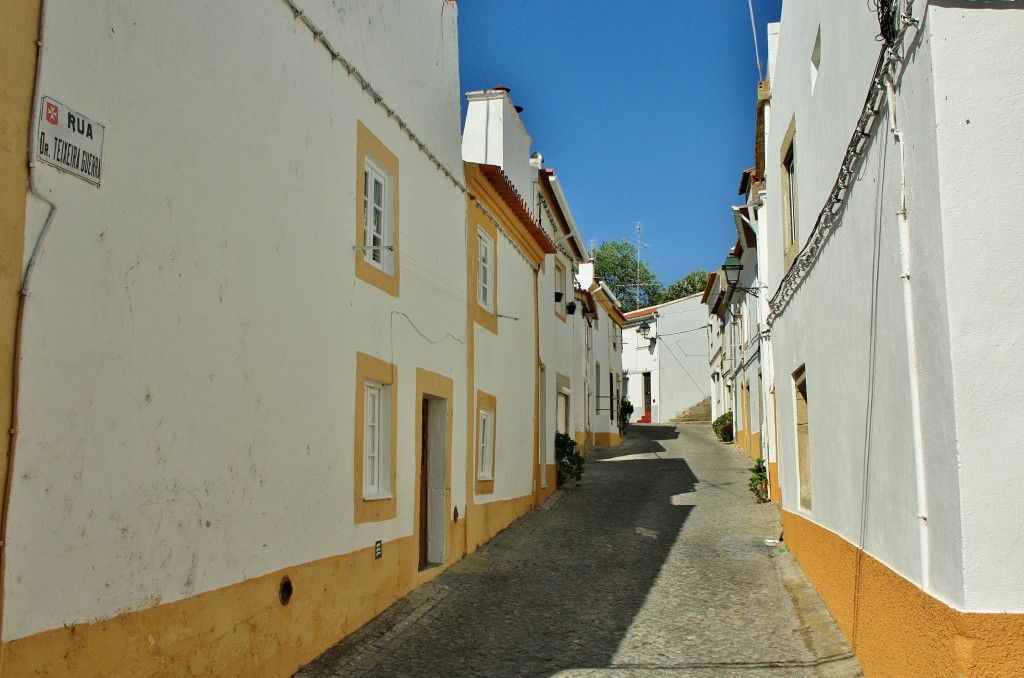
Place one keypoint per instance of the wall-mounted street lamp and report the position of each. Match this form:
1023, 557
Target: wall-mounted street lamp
645, 331
732, 267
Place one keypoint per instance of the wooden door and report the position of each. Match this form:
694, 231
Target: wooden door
424, 480
647, 398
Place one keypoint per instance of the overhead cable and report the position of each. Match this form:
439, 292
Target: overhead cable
889, 59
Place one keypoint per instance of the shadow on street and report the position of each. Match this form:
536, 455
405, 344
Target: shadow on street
638, 570
557, 590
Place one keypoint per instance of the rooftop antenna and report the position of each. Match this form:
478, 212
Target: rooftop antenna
639, 246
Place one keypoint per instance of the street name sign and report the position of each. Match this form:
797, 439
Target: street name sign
70, 141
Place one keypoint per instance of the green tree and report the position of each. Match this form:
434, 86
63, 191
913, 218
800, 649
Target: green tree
634, 284
694, 282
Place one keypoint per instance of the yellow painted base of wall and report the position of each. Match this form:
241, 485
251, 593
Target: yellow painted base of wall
486, 520
244, 630
550, 485
750, 443
742, 441
240, 630
895, 628
774, 492
610, 439
584, 443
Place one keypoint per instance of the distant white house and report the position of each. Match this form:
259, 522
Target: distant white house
665, 359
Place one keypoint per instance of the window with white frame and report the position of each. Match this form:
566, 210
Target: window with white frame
376, 443
377, 229
485, 271
485, 460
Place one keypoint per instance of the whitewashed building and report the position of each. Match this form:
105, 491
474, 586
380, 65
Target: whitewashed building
894, 150
743, 299
280, 354
718, 336
601, 327
563, 328
665, 359
576, 359
244, 255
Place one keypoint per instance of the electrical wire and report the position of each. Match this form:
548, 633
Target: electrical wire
441, 290
757, 51
870, 399
428, 275
672, 334
472, 43
420, 332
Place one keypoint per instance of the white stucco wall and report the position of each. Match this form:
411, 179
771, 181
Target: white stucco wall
961, 143
580, 356
557, 340
409, 51
977, 54
186, 415
829, 338
746, 352
503, 369
546, 355
604, 335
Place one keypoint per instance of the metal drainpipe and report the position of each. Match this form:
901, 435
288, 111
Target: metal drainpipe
657, 357
903, 231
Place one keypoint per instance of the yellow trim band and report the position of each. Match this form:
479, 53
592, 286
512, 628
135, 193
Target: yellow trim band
895, 628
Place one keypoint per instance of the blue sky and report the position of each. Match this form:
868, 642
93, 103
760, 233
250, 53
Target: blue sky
644, 108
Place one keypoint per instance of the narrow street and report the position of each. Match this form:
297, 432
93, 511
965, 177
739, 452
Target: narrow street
653, 565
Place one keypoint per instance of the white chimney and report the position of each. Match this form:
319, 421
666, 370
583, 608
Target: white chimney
585, 277
495, 135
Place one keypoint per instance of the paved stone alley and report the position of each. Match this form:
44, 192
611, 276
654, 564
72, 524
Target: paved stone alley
653, 565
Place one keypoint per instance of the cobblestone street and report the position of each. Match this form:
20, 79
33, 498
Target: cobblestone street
653, 565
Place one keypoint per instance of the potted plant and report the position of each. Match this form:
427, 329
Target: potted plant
570, 308
759, 481
722, 426
625, 412
568, 461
